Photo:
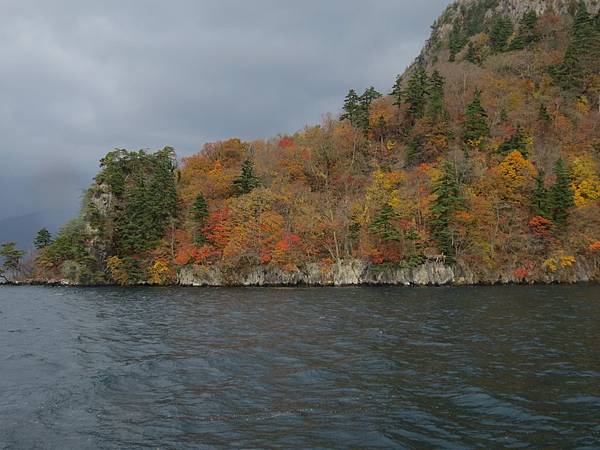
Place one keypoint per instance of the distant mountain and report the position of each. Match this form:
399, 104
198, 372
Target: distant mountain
22, 229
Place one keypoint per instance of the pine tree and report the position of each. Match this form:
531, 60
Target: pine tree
416, 92
475, 126
501, 30
351, 107
527, 34
43, 239
382, 224
435, 106
561, 196
246, 181
518, 141
457, 41
447, 201
543, 115
397, 91
199, 215
539, 200
583, 54
12, 260
473, 56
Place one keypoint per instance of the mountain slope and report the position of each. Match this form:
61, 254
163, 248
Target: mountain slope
485, 156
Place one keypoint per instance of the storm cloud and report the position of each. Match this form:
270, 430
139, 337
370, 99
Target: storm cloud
78, 78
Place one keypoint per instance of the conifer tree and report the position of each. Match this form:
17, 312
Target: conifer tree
246, 181
543, 115
416, 92
518, 141
501, 30
199, 215
457, 41
475, 126
351, 107
382, 224
447, 201
561, 196
397, 91
539, 200
43, 239
435, 106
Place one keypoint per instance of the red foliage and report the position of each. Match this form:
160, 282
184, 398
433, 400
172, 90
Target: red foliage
521, 273
541, 227
286, 142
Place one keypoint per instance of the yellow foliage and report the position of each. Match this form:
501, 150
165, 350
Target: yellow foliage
118, 273
550, 265
160, 272
566, 261
516, 170
586, 183
561, 261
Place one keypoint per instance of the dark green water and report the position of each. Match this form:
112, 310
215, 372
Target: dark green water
483, 367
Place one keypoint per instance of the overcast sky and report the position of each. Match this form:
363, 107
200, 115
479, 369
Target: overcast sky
78, 78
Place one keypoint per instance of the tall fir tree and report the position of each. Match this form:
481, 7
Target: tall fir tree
500, 32
435, 105
475, 125
397, 91
246, 181
382, 224
447, 201
561, 195
351, 107
539, 199
199, 215
43, 239
416, 92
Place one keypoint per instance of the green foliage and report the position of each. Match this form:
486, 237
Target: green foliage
539, 199
475, 126
457, 41
199, 215
12, 260
543, 115
436, 109
148, 200
416, 92
500, 32
448, 200
382, 224
356, 109
561, 195
518, 141
246, 181
580, 64
527, 34
42, 239
397, 91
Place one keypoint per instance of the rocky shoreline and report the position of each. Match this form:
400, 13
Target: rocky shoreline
358, 272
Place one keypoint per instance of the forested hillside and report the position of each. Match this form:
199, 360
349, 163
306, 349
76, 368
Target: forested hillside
485, 153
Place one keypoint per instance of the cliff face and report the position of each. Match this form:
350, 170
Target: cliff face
359, 272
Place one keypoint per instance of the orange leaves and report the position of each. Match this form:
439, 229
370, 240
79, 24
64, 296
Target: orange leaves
521, 273
594, 247
541, 227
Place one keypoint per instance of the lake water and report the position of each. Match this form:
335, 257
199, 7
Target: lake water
485, 367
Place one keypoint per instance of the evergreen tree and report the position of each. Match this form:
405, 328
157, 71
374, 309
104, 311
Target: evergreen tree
246, 181
502, 29
416, 92
517, 141
475, 126
583, 54
473, 56
199, 215
539, 200
382, 224
447, 201
457, 41
12, 260
43, 239
351, 107
561, 196
543, 115
397, 91
435, 106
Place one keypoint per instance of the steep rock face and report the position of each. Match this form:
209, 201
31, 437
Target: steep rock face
358, 272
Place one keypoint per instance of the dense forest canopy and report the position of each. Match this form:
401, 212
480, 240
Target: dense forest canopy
486, 151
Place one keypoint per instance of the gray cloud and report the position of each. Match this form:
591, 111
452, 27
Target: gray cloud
80, 78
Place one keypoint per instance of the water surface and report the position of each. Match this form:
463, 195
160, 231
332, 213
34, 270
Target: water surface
89, 368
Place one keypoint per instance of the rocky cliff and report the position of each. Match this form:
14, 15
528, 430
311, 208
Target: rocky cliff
358, 272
